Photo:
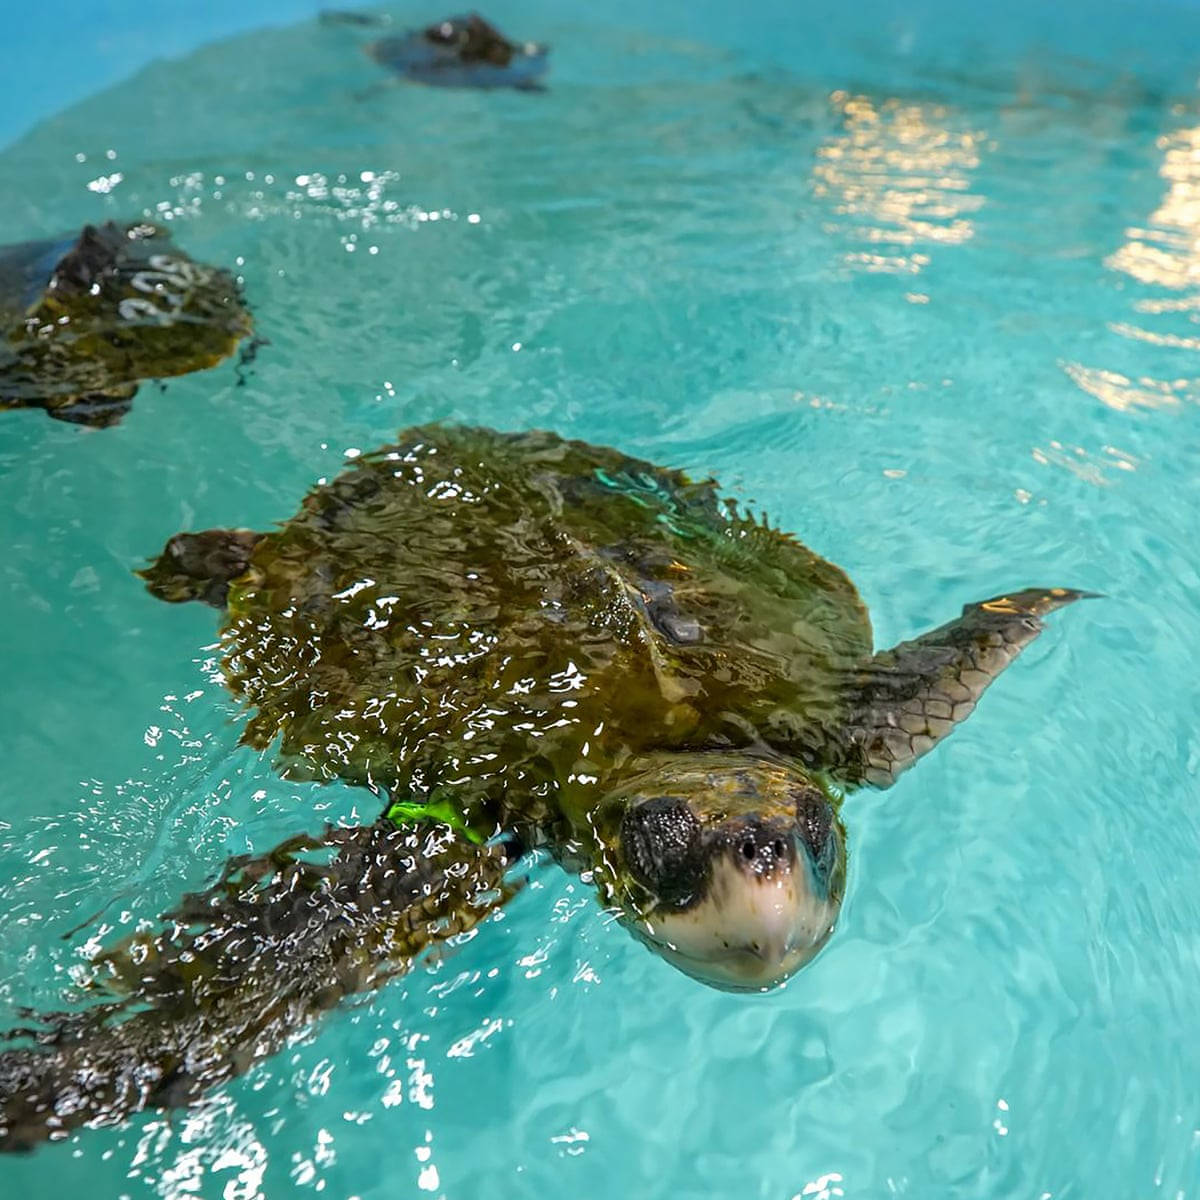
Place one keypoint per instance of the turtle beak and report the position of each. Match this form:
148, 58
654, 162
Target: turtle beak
768, 908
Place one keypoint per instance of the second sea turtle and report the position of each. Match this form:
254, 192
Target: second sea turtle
458, 51
85, 319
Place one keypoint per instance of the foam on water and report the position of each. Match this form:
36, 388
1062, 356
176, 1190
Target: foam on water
928, 294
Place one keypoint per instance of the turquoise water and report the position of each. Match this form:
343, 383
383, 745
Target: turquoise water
927, 289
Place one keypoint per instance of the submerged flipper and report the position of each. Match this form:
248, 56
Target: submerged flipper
361, 20
200, 566
905, 700
244, 966
96, 410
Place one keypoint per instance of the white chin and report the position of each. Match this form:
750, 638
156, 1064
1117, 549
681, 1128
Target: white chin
748, 933
739, 971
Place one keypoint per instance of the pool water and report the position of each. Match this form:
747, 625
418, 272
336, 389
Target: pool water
923, 285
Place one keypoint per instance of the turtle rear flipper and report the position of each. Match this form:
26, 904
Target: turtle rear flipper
905, 700
244, 966
200, 566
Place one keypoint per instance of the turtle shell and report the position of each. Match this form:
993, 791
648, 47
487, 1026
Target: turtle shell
511, 619
84, 320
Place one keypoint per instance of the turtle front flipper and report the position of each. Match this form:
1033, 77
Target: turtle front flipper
200, 566
905, 700
96, 410
241, 968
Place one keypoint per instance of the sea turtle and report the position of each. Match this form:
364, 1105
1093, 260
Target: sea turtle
521, 643
85, 319
463, 51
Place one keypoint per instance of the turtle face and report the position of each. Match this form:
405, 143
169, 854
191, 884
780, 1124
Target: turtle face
733, 875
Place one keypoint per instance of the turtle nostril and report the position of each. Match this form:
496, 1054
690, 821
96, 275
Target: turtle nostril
777, 846
749, 850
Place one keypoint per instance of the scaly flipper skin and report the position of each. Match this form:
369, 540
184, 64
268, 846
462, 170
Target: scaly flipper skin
910, 697
243, 966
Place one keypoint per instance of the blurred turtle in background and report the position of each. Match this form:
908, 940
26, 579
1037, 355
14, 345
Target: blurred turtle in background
85, 320
464, 51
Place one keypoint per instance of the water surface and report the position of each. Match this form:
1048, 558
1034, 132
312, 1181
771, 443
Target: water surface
927, 292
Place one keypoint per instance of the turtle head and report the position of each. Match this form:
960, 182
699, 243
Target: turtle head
731, 870
200, 566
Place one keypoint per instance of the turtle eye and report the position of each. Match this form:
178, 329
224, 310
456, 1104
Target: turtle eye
814, 820
660, 839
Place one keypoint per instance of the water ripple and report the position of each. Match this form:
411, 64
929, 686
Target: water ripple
937, 319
